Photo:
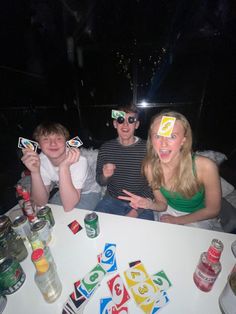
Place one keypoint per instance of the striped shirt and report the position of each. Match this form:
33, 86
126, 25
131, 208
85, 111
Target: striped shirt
127, 175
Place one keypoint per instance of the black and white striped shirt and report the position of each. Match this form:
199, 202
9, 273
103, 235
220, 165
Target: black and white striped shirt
127, 175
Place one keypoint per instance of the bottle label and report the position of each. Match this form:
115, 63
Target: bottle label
208, 279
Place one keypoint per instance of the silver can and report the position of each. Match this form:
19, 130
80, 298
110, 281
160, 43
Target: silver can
41, 227
22, 227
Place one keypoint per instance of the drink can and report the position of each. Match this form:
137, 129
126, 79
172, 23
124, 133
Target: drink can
12, 275
41, 227
29, 211
45, 213
22, 227
91, 225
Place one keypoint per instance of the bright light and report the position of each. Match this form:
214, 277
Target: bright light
143, 104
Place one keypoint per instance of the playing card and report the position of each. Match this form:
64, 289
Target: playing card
93, 278
74, 142
108, 254
106, 305
78, 294
67, 307
25, 143
161, 301
118, 291
131, 264
144, 290
75, 226
122, 310
161, 280
76, 304
166, 126
109, 268
135, 275
116, 113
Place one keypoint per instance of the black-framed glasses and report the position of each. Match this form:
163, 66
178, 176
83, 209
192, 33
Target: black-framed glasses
131, 120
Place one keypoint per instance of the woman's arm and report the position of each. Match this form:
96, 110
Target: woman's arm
208, 175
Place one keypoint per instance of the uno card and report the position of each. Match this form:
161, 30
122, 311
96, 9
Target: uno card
135, 274
108, 254
116, 113
74, 142
144, 291
78, 295
122, 310
68, 308
106, 305
93, 278
161, 280
109, 268
25, 143
75, 227
76, 303
131, 264
118, 291
161, 301
166, 126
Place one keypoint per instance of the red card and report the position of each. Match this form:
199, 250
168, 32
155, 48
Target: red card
118, 291
75, 226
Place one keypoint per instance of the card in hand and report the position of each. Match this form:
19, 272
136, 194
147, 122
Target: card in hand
75, 227
74, 142
25, 143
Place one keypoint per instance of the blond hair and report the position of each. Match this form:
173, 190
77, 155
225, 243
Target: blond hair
47, 128
184, 180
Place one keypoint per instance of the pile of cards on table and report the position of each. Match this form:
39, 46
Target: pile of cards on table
85, 287
149, 292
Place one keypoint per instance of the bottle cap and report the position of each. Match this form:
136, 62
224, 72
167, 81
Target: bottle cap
39, 260
214, 251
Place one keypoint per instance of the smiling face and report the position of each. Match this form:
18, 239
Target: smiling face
168, 148
126, 129
53, 146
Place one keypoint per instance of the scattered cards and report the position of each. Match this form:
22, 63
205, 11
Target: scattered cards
74, 142
75, 227
25, 143
166, 126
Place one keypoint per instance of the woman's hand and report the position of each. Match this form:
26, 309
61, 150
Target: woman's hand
169, 219
136, 201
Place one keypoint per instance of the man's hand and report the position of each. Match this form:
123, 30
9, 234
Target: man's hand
72, 156
108, 170
31, 160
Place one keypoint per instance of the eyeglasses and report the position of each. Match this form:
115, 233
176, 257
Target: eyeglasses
131, 120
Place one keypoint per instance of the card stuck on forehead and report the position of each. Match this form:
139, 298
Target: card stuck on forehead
166, 126
25, 143
116, 114
74, 142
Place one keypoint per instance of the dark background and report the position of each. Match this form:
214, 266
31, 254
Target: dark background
73, 61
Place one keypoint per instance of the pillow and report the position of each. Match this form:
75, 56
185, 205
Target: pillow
227, 216
226, 187
215, 156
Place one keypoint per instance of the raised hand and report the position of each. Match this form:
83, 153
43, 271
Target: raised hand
108, 170
31, 160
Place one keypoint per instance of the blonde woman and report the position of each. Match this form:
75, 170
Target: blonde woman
186, 187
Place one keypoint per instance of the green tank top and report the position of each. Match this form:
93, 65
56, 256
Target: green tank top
183, 204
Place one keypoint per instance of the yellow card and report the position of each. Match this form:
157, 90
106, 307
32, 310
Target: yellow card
135, 275
144, 290
166, 126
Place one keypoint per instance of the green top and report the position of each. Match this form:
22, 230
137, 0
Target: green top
183, 204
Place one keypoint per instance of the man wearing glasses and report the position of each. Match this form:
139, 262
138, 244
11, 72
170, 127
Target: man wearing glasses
119, 167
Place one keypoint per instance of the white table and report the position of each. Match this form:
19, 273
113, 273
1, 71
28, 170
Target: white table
172, 248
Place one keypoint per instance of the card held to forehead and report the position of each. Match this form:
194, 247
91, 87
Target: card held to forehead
166, 126
116, 114
25, 143
74, 142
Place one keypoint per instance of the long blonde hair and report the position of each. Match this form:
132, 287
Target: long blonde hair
184, 180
